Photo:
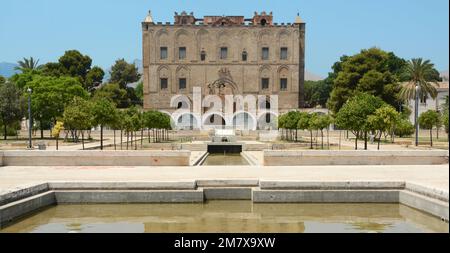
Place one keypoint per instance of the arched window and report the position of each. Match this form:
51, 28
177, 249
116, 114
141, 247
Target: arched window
267, 104
180, 104
244, 55
267, 117
263, 22
211, 119
203, 55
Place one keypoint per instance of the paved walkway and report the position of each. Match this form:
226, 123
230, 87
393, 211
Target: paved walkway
434, 176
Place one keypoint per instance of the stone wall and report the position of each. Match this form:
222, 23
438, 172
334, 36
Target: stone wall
354, 157
95, 158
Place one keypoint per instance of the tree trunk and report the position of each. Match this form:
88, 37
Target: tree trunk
296, 134
5, 131
128, 137
437, 133
82, 139
121, 134
142, 136
42, 131
431, 137
114, 131
57, 138
356, 141
379, 140
101, 137
311, 141
148, 134
365, 140
321, 133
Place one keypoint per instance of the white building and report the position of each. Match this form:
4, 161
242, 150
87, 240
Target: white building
431, 104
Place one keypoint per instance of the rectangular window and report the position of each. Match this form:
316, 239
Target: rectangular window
182, 53
163, 53
163, 83
265, 83
284, 53
182, 83
265, 53
283, 83
223, 53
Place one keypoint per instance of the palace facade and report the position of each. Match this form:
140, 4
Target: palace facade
223, 55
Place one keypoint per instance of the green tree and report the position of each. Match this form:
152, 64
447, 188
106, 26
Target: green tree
421, 73
50, 95
114, 93
383, 120
320, 122
304, 123
94, 77
27, 64
124, 73
403, 127
372, 71
78, 117
54, 69
2, 79
75, 64
139, 90
317, 93
428, 120
445, 118
354, 115
104, 115
12, 106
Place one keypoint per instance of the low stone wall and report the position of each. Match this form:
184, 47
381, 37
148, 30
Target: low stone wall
354, 157
95, 158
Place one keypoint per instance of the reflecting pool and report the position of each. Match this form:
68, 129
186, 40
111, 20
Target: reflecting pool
230, 216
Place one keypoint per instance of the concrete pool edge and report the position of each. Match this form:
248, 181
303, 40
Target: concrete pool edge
20, 202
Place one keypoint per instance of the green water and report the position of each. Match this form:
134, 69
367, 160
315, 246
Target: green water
227, 159
230, 216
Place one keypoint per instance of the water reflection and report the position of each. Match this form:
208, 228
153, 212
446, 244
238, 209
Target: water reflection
225, 159
230, 216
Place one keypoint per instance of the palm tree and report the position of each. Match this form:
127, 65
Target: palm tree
419, 73
27, 64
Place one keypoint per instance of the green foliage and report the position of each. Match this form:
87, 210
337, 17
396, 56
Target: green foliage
139, 90
50, 95
103, 111
304, 121
422, 73
384, 119
75, 64
372, 71
320, 121
94, 78
155, 119
445, 117
114, 93
27, 64
317, 93
78, 115
12, 106
429, 119
2, 79
404, 128
124, 73
355, 112
53, 69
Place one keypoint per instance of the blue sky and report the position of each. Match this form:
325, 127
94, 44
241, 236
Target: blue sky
110, 29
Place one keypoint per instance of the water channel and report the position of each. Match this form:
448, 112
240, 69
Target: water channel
230, 216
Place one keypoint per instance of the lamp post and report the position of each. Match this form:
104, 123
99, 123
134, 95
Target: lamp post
416, 115
30, 122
